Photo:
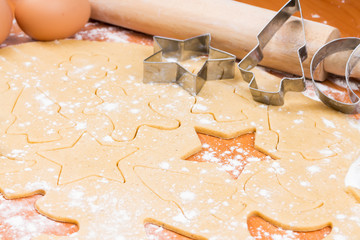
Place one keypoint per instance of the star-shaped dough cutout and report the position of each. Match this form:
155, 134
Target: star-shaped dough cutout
87, 157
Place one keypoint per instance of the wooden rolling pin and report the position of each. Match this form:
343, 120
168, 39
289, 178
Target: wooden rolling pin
233, 27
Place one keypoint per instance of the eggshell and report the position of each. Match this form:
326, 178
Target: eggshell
6, 19
51, 19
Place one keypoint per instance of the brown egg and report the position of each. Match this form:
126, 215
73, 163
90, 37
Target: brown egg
12, 5
51, 19
6, 19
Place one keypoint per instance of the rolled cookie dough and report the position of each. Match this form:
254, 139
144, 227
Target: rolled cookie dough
81, 128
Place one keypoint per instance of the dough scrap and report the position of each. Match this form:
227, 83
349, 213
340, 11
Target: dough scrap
81, 77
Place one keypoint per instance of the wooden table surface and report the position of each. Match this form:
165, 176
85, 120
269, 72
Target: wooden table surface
343, 14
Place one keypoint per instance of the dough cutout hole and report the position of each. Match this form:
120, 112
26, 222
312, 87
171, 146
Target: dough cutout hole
260, 228
19, 219
232, 154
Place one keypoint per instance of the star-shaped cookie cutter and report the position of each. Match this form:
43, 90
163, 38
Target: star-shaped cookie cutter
164, 67
256, 55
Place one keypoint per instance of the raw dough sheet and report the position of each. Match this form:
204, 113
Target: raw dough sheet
109, 152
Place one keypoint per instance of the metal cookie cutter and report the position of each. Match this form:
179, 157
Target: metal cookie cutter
339, 45
163, 66
256, 55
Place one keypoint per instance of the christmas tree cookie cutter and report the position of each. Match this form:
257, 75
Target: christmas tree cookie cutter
335, 46
164, 67
255, 56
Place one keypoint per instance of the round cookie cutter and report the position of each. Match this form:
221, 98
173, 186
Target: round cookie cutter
335, 46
